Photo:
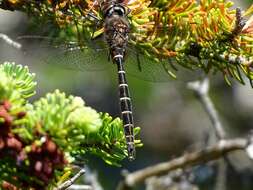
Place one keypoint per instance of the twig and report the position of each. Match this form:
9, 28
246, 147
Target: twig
190, 159
177, 179
201, 89
239, 24
249, 149
69, 182
91, 178
80, 187
221, 177
9, 41
234, 59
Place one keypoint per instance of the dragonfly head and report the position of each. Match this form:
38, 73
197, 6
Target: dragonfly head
113, 8
116, 9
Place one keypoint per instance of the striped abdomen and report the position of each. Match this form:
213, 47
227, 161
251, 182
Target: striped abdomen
126, 108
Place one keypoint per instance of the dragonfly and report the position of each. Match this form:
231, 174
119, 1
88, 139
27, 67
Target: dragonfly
111, 45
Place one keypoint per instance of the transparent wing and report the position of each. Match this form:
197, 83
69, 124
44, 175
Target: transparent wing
81, 58
146, 68
70, 55
94, 56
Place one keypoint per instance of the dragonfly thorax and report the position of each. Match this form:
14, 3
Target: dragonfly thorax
116, 33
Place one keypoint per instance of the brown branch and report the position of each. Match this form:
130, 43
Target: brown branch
189, 159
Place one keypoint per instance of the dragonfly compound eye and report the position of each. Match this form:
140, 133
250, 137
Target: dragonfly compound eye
116, 9
120, 10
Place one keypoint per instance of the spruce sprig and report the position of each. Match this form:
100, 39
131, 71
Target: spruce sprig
40, 141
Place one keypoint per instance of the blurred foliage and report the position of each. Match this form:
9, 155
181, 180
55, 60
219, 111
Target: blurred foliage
39, 142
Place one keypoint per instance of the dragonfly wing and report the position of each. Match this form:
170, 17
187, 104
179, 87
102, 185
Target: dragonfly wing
141, 66
84, 59
70, 55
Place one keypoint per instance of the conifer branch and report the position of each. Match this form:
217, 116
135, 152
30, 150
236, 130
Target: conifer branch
48, 136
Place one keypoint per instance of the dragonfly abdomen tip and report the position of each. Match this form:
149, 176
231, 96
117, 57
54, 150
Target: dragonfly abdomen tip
131, 152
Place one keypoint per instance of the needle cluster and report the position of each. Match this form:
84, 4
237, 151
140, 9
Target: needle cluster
205, 34
40, 142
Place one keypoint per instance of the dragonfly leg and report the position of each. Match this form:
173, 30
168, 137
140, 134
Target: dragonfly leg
97, 22
138, 62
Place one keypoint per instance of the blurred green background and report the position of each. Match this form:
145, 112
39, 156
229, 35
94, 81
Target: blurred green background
171, 118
